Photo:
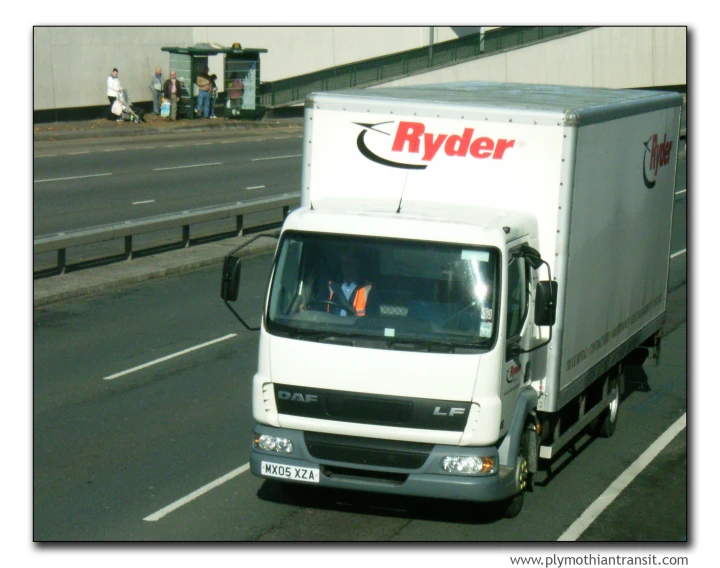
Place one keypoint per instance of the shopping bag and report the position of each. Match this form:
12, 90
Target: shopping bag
165, 109
117, 108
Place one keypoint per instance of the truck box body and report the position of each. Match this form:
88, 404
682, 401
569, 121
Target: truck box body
595, 166
440, 186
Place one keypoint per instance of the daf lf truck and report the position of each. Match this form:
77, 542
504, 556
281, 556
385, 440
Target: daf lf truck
511, 244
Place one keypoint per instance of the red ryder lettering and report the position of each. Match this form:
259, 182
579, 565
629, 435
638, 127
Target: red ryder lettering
660, 154
410, 135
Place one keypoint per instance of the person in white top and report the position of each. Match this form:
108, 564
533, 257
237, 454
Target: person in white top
113, 90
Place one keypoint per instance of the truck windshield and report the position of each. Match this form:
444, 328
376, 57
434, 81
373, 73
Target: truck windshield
387, 293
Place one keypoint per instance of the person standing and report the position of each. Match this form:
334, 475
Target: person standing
113, 91
172, 93
156, 88
204, 84
213, 94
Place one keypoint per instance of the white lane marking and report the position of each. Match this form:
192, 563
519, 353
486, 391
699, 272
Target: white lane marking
192, 166
681, 191
195, 494
203, 144
45, 156
173, 145
74, 177
678, 253
142, 202
156, 361
256, 187
601, 503
77, 153
276, 158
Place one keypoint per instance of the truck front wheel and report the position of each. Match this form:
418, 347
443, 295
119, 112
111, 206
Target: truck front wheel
523, 480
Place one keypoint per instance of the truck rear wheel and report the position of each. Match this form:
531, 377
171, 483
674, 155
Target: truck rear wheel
608, 419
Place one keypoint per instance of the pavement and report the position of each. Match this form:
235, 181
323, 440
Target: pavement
153, 124
100, 279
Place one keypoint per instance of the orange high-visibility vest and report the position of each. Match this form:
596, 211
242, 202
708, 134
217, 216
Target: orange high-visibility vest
358, 298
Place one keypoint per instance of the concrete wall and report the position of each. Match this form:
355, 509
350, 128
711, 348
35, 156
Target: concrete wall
71, 64
622, 57
296, 51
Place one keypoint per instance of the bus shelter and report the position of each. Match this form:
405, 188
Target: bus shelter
238, 82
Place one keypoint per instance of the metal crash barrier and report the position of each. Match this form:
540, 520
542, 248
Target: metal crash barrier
60, 242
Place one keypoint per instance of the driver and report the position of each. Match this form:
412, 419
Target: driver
351, 291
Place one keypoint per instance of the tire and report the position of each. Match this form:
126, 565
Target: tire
523, 480
607, 421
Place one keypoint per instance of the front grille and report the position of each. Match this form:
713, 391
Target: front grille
367, 451
368, 408
364, 409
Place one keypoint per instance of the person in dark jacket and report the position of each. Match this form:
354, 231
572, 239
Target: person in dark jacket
171, 90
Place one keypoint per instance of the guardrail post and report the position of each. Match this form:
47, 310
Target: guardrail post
239, 225
128, 247
186, 236
61, 260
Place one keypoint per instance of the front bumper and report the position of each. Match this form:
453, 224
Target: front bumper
428, 480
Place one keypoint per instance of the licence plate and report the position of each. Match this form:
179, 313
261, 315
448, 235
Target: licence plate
291, 472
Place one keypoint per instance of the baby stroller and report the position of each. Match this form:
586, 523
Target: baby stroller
128, 111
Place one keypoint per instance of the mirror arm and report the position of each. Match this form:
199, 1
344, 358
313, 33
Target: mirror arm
275, 236
242, 321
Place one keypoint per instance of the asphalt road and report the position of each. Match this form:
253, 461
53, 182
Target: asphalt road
109, 453
88, 182
84, 183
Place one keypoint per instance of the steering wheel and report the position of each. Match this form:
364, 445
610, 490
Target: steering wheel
456, 317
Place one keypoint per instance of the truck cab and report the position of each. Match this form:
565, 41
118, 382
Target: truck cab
434, 364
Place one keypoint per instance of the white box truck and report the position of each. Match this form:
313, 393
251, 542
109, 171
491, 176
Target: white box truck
453, 300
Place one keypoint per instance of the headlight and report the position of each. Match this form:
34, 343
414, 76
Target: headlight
468, 465
273, 444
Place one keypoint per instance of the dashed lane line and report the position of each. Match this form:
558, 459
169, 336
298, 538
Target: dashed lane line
167, 357
195, 494
68, 178
190, 166
276, 158
678, 253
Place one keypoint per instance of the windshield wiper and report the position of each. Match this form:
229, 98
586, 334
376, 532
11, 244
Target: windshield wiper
314, 335
430, 345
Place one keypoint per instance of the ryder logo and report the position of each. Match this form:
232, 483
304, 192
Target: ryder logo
413, 138
656, 156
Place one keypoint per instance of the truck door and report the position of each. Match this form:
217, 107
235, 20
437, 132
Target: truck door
518, 331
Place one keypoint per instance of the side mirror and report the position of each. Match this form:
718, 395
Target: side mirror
545, 302
230, 285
